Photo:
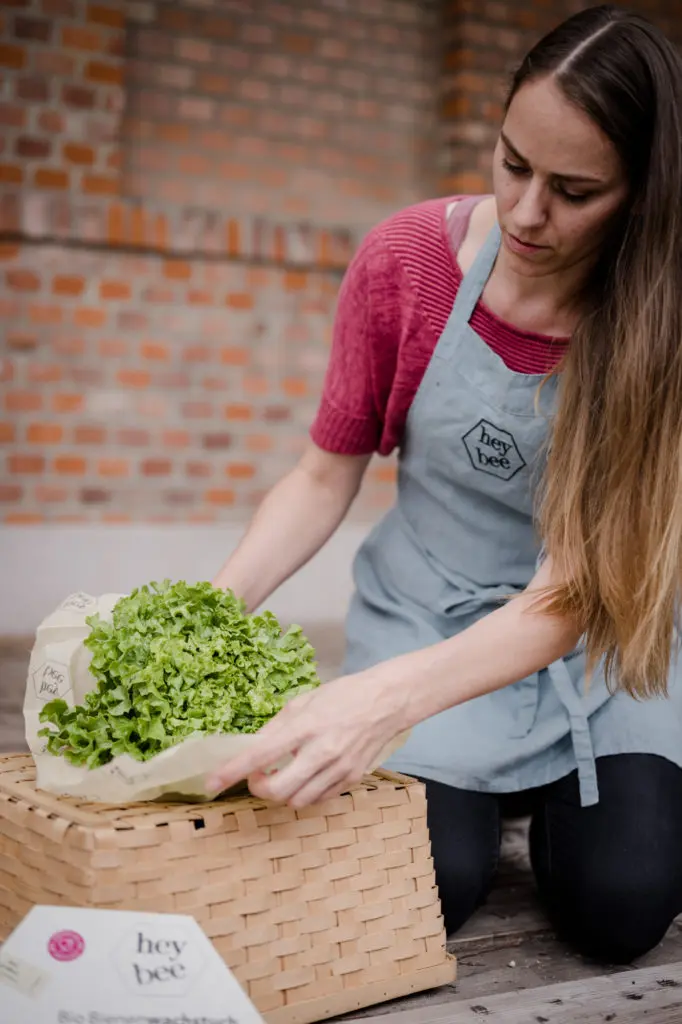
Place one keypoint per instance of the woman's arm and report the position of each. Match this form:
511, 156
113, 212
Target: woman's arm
337, 732
295, 519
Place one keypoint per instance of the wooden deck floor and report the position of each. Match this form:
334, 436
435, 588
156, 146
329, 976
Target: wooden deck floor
511, 967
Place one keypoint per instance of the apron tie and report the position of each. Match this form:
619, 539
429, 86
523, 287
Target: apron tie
581, 737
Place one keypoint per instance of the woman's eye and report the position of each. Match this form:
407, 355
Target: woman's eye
517, 169
573, 197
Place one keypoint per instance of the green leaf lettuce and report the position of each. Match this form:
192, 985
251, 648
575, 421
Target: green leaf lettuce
178, 660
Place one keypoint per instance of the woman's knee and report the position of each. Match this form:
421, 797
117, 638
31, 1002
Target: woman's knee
463, 885
464, 831
614, 915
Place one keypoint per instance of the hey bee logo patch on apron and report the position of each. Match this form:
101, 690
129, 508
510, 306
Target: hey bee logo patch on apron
493, 450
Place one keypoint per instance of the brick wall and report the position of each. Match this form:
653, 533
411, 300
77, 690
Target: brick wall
181, 187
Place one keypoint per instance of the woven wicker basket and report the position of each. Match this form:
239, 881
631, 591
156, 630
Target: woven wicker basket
318, 912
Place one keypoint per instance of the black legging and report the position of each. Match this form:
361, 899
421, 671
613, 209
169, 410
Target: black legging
610, 876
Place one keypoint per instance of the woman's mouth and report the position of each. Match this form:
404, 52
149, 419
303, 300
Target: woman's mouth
523, 248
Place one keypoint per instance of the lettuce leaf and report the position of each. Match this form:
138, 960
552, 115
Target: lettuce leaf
178, 660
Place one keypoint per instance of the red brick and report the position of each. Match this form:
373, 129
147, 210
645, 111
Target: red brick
7, 433
180, 497
10, 493
12, 116
44, 433
8, 251
113, 467
177, 270
70, 465
12, 56
78, 96
197, 354
175, 439
23, 518
36, 29
10, 174
23, 401
50, 121
134, 378
241, 470
154, 350
101, 14
22, 280
32, 89
64, 285
198, 470
158, 295
45, 314
259, 443
100, 185
104, 74
44, 373
255, 385
113, 348
276, 413
156, 467
298, 44
21, 464
133, 438
114, 290
92, 376
87, 316
89, 435
47, 177
94, 496
59, 8
78, 38
17, 342
237, 411
217, 442
219, 497
32, 148
51, 63
51, 495
239, 300
295, 387
78, 154
197, 410
68, 403
6, 371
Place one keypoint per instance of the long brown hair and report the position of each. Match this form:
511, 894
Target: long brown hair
611, 502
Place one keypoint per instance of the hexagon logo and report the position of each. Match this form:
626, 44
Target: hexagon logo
160, 958
78, 602
51, 680
493, 450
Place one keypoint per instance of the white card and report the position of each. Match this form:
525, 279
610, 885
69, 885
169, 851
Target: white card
67, 965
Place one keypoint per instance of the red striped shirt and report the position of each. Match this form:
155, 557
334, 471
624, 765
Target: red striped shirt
394, 302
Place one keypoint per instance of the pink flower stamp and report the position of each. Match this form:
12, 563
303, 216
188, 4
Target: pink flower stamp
65, 946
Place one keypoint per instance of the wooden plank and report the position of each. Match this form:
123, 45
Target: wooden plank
652, 995
511, 915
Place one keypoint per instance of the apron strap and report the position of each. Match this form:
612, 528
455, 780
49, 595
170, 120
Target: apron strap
581, 737
477, 275
468, 294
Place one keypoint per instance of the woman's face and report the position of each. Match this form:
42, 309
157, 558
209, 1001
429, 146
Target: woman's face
559, 182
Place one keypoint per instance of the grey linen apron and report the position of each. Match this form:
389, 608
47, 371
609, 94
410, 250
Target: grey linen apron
459, 540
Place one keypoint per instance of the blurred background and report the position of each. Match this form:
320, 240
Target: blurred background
182, 185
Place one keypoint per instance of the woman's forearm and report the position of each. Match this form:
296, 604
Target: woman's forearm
501, 648
295, 519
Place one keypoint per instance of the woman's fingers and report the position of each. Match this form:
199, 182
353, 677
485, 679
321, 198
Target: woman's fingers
275, 742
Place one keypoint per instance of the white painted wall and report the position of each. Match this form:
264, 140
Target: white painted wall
41, 565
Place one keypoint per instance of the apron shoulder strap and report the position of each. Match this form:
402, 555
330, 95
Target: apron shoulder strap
477, 275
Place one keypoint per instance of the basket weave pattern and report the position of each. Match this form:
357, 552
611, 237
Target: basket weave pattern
317, 912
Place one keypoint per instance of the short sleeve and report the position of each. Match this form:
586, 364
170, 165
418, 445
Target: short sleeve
350, 418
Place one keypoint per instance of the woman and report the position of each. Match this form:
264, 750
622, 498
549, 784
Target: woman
549, 678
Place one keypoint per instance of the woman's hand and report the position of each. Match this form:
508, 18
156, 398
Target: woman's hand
335, 734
